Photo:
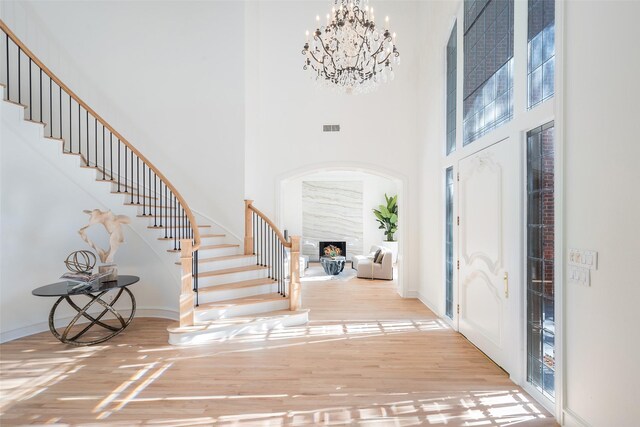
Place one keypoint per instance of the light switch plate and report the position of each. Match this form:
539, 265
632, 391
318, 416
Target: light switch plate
579, 275
583, 258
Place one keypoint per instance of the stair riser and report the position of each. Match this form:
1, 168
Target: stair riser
242, 310
202, 337
213, 240
230, 278
209, 253
206, 297
224, 264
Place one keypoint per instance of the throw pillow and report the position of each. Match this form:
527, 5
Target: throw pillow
379, 257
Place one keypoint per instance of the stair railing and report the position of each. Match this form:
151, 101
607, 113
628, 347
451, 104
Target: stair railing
280, 256
83, 132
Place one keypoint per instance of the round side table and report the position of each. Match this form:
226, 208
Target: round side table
95, 292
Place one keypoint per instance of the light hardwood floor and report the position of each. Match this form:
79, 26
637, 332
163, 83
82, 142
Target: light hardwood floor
367, 357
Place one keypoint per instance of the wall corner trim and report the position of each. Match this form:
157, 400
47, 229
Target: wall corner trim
424, 300
571, 419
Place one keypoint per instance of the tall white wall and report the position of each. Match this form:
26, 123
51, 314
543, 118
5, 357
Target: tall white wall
285, 111
43, 193
602, 207
601, 199
168, 75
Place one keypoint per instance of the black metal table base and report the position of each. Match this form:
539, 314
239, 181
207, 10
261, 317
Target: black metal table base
93, 321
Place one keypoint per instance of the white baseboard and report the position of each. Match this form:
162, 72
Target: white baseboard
571, 419
36, 328
412, 294
428, 304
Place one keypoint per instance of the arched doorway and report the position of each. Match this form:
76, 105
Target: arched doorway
370, 182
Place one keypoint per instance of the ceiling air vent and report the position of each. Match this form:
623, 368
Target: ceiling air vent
330, 128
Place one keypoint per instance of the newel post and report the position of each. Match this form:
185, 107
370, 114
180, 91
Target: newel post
248, 228
186, 279
294, 274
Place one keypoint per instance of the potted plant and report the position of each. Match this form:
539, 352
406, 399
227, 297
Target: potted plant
387, 217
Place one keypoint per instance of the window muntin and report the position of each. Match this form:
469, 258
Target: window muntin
452, 61
540, 51
488, 66
540, 260
449, 242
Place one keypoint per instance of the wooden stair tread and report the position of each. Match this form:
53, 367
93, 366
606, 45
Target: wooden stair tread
15, 103
230, 321
35, 121
168, 218
231, 270
238, 285
212, 259
178, 227
207, 236
135, 195
141, 204
220, 246
206, 247
93, 167
115, 182
53, 138
255, 299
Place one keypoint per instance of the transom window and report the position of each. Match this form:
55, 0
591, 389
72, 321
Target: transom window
541, 51
452, 55
488, 66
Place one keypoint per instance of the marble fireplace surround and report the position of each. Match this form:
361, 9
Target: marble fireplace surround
332, 212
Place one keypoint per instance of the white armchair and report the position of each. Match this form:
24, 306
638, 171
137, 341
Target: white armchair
367, 268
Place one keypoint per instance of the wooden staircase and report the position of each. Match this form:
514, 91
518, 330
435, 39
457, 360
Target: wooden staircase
243, 290
227, 288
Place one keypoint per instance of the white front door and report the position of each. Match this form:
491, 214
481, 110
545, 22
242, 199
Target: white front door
489, 251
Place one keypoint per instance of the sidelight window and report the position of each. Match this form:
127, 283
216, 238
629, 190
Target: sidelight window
540, 260
449, 241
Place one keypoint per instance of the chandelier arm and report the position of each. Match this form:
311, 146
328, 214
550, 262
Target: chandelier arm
326, 51
386, 58
379, 51
364, 40
360, 18
315, 59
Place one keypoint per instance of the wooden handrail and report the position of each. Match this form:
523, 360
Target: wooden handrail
270, 258
280, 236
103, 122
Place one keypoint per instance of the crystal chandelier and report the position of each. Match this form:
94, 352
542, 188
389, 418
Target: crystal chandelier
350, 53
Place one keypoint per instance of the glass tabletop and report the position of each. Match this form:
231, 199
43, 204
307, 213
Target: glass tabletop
66, 287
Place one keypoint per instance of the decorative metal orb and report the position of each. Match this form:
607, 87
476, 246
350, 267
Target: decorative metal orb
80, 261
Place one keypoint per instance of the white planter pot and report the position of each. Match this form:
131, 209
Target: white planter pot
393, 247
